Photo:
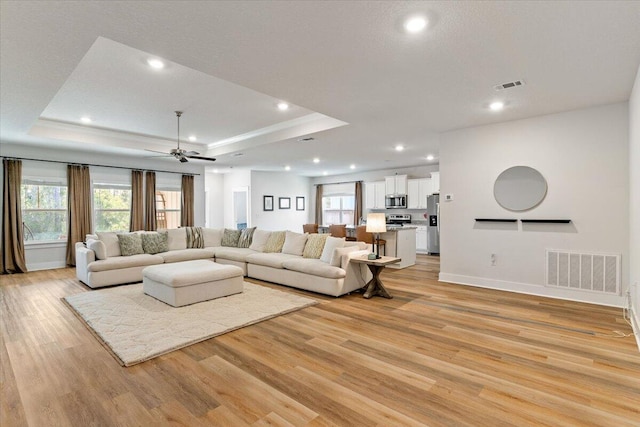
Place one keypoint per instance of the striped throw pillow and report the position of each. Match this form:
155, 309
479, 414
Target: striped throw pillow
245, 237
195, 238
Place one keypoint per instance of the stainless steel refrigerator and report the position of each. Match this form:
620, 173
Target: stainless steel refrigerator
433, 227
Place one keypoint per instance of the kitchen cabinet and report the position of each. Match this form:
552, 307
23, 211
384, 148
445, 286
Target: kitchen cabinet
421, 239
374, 193
435, 182
418, 190
396, 184
401, 243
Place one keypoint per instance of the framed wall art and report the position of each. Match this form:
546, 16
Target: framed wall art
267, 203
299, 203
284, 202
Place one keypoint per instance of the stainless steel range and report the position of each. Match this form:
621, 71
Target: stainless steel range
398, 219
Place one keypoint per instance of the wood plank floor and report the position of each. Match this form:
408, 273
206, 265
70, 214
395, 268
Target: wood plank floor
436, 354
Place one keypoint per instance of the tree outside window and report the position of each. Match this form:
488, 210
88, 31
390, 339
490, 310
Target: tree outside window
44, 210
111, 207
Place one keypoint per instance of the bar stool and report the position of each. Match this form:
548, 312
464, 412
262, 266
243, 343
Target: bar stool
310, 228
363, 236
338, 230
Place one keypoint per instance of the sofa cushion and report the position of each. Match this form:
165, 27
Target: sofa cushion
120, 262
230, 238
154, 242
195, 239
111, 242
234, 254
275, 241
177, 238
187, 254
315, 267
294, 243
274, 260
212, 237
338, 253
331, 244
98, 247
259, 240
130, 244
245, 237
315, 244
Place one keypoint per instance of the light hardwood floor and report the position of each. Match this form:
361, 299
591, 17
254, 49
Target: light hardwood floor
436, 354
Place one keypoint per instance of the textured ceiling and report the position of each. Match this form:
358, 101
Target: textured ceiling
357, 82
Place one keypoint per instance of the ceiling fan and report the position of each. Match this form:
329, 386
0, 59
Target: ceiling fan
179, 153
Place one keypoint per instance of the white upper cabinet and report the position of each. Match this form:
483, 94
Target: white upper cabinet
435, 182
418, 190
374, 193
396, 184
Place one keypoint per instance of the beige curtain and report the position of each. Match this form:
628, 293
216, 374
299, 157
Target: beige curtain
319, 190
187, 202
12, 259
150, 220
358, 210
78, 208
136, 222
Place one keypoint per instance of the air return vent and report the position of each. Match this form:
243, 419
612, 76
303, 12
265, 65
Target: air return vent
593, 272
509, 85
306, 139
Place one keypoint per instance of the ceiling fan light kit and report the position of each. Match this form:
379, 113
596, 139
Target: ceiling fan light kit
182, 155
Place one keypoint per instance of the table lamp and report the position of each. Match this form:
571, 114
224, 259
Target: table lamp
377, 223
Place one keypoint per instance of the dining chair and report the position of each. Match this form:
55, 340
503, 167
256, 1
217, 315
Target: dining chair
310, 228
338, 230
363, 236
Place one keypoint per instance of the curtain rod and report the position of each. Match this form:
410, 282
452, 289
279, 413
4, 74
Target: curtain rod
335, 183
101, 166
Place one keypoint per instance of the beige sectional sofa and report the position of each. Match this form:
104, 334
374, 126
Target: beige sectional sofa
316, 263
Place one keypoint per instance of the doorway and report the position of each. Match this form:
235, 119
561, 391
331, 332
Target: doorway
241, 208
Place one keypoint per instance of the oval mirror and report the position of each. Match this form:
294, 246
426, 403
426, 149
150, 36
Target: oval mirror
519, 188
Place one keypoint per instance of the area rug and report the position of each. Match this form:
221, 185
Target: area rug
136, 327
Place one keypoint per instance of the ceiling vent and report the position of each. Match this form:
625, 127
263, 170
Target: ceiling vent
509, 85
306, 139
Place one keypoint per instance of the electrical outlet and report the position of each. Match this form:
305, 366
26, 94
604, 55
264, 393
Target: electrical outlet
494, 260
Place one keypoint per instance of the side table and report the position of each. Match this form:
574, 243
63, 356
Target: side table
375, 286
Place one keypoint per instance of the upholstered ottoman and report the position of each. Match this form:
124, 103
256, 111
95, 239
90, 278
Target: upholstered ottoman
189, 282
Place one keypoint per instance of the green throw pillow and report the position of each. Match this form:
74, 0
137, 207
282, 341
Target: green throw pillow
130, 244
230, 237
314, 246
275, 241
153, 243
245, 237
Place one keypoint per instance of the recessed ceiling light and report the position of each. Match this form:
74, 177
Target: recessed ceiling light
399, 147
352, 167
85, 119
496, 106
415, 24
430, 157
324, 173
155, 63
283, 106
192, 138
215, 171
316, 160
287, 168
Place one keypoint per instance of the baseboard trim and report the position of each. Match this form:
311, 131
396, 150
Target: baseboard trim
530, 289
45, 265
635, 325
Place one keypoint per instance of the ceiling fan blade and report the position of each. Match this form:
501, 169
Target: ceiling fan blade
211, 159
159, 152
190, 153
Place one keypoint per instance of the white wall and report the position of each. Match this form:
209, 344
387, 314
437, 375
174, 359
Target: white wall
634, 201
52, 255
582, 154
214, 200
280, 184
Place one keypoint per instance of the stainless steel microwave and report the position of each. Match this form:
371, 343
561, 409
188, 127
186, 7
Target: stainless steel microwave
395, 201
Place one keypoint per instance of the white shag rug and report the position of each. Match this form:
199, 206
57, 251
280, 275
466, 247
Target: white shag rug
136, 327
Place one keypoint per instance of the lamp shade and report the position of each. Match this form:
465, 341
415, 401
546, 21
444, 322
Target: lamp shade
376, 223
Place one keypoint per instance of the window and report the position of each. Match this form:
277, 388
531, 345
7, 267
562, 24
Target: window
111, 207
338, 209
44, 210
168, 208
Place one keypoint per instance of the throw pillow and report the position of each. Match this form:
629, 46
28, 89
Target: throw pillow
336, 257
230, 237
98, 247
111, 242
294, 243
259, 240
275, 241
245, 237
195, 239
331, 244
212, 237
177, 238
314, 246
130, 244
155, 242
